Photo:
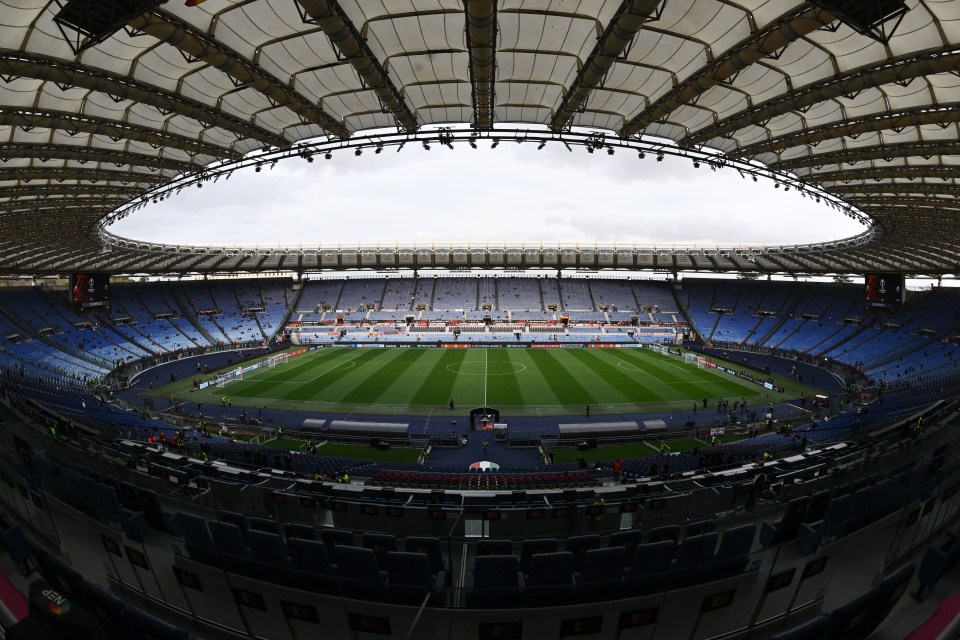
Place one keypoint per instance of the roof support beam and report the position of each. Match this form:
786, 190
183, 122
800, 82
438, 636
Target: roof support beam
197, 45
942, 115
61, 72
73, 123
618, 35
775, 37
61, 174
481, 17
876, 174
45, 152
888, 203
47, 191
886, 152
901, 70
924, 188
352, 46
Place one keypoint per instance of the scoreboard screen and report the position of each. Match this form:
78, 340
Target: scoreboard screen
90, 291
884, 290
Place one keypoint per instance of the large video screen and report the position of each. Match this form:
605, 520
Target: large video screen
884, 290
90, 291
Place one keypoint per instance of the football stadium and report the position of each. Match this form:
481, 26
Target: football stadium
511, 439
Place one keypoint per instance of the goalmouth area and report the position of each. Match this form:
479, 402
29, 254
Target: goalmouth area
525, 381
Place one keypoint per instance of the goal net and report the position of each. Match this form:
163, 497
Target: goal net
229, 377
271, 362
693, 358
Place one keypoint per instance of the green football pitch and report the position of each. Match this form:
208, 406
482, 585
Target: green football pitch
417, 381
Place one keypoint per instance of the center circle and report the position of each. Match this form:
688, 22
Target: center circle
492, 368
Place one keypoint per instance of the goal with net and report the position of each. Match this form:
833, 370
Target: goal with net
693, 358
230, 376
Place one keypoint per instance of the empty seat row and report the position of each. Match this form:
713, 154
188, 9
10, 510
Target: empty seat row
584, 573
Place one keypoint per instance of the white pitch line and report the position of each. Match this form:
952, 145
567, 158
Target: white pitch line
485, 359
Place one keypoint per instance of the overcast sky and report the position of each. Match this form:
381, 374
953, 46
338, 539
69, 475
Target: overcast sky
510, 194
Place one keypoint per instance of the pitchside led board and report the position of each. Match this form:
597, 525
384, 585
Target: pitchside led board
884, 290
90, 291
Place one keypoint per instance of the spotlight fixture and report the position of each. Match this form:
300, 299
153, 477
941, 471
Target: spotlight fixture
696, 164
495, 143
541, 145
567, 145
328, 155
426, 146
258, 168
659, 157
309, 158
754, 178
358, 152
776, 185
589, 149
379, 148
473, 144
641, 155
610, 151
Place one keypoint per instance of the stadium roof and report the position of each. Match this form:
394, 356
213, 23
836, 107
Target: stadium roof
106, 104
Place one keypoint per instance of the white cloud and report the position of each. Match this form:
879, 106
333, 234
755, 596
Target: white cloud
511, 194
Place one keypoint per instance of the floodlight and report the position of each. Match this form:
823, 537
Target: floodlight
473, 144
541, 145
258, 168
641, 155
426, 146
358, 152
696, 164
495, 143
378, 149
328, 155
659, 157
610, 151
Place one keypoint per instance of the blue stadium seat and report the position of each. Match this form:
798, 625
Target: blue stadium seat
293, 530
429, 546
311, 565
733, 554
529, 548
580, 545
268, 555
410, 579
549, 579
150, 627
784, 529
228, 539
336, 537
495, 581
693, 556
812, 629
650, 568
666, 532
359, 573
629, 540
381, 544
109, 610
196, 537
601, 575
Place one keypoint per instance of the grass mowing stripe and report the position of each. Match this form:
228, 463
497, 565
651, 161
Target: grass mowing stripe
438, 383
606, 367
372, 387
353, 359
565, 386
260, 386
534, 390
503, 387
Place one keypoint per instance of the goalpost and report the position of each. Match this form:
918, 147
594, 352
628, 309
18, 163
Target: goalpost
229, 377
693, 358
